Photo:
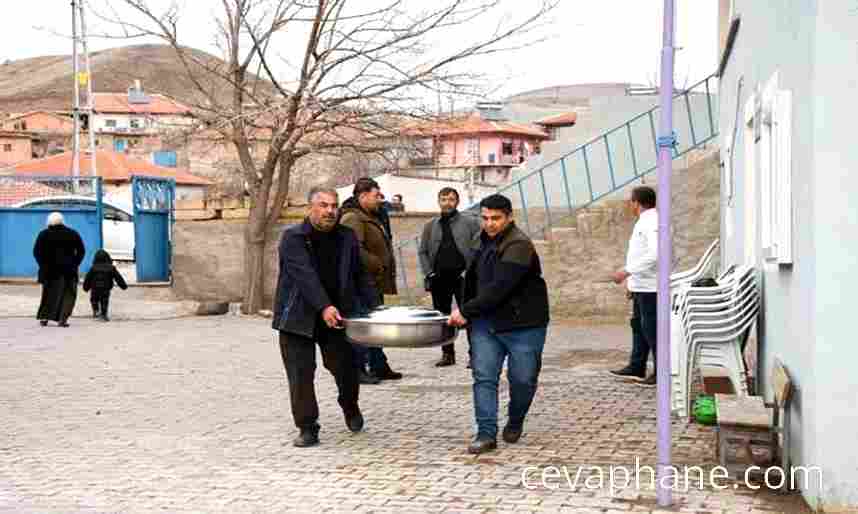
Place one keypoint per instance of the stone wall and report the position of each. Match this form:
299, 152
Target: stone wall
208, 255
578, 256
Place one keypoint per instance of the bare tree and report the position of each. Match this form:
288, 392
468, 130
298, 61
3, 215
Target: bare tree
357, 67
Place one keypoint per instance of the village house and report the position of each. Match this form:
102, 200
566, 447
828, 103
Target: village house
138, 122
474, 152
49, 132
39, 122
116, 170
553, 124
15, 147
481, 143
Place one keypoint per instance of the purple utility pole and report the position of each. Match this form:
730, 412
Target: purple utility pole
665, 255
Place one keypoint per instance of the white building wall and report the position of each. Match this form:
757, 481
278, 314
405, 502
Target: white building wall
812, 46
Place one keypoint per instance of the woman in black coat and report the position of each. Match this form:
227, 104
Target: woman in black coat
59, 251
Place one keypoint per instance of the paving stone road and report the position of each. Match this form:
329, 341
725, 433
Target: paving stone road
192, 415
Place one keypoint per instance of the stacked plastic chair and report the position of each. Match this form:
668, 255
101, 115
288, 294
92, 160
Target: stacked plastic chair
678, 282
698, 271
708, 325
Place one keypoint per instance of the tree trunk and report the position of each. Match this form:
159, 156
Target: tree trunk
255, 236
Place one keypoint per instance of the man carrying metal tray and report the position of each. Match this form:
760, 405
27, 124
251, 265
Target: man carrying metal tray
321, 281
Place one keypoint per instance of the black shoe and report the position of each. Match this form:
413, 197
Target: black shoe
469, 364
448, 359
512, 435
367, 378
94, 314
105, 317
307, 437
649, 381
628, 372
63, 324
386, 373
482, 445
355, 423
43, 322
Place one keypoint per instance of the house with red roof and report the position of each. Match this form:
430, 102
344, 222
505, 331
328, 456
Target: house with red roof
116, 170
551, 124
39, 122
456, 146
15, 147
137, 121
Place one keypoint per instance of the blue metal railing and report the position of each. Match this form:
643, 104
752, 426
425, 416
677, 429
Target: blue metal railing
601, 166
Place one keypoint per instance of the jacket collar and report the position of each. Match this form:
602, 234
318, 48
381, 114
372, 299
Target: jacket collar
307, 228
352, 203
500, 237
449, 217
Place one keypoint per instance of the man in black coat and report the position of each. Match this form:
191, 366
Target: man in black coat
59, 251
321, 281
505, 305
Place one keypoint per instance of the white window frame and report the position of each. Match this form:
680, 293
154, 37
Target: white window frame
750, 189
770, 158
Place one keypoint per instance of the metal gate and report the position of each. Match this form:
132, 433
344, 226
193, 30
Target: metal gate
153, 227
26, 202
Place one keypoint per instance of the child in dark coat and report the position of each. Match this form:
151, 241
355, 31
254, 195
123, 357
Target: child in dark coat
99, 281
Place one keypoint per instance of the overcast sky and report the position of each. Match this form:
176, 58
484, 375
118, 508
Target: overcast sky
589, 41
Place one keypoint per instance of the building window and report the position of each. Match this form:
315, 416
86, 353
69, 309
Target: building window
110, 123
135, 123
21, 125
768, 132
506, 148
472, 150
7, 148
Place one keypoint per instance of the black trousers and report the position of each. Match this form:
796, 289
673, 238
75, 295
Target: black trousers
299, 359
644, 329
444, 288
58, 299
100, 302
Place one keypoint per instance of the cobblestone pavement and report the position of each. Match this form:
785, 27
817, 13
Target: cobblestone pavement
135, 303
192, 415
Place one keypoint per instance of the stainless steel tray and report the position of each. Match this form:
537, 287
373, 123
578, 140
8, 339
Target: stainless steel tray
400, 327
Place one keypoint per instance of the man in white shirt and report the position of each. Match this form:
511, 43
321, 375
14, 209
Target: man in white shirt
640, 275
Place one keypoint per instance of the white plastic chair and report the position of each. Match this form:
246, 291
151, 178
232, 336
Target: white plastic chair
698, 270
707, 325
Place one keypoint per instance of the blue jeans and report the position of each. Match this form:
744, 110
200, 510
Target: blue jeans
488, 350
644, 329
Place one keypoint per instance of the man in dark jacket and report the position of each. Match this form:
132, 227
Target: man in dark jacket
321, 281
444, 252
361, 214
506, 304
58, 251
